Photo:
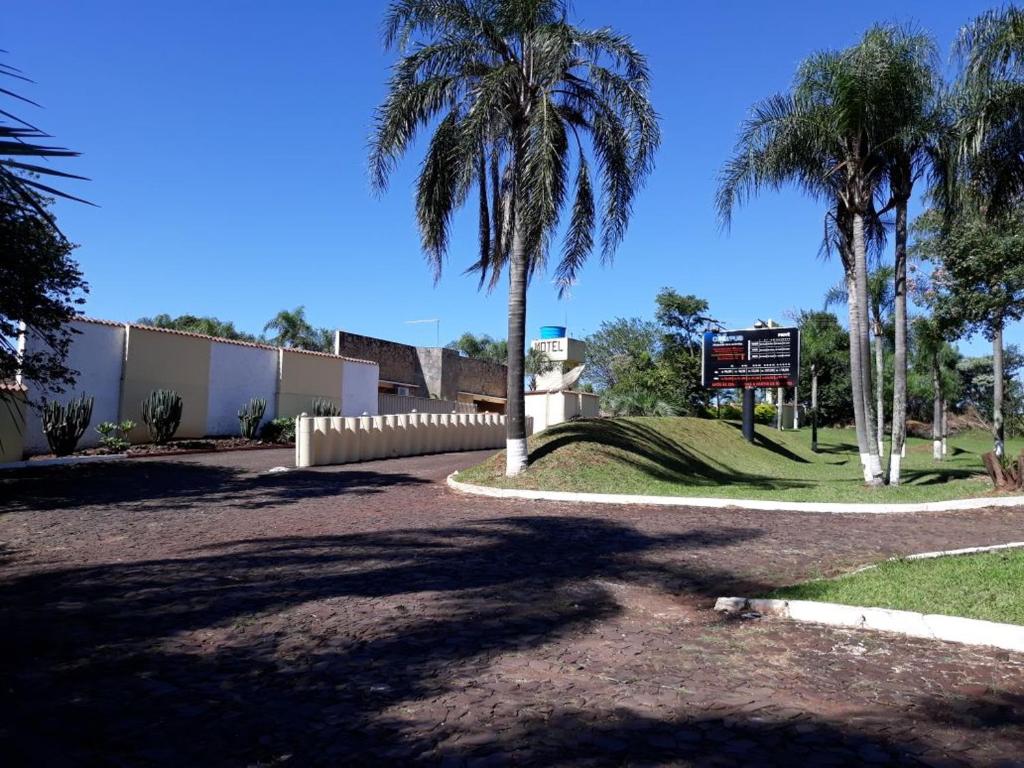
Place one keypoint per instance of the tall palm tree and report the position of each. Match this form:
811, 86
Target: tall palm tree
515, 96
985, 175
829, 136
920, 129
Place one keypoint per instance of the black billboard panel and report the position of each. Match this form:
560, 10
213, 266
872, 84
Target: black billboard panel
755, 357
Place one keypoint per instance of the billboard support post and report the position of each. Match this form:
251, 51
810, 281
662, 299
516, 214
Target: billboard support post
748, 414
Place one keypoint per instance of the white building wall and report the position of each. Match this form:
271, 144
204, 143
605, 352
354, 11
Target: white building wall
359, 382
237, 374
97, 353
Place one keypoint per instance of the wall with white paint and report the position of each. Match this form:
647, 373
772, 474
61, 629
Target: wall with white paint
358, 388
97, 353
238, 373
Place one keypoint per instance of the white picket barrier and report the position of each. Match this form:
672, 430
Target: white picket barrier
342, 440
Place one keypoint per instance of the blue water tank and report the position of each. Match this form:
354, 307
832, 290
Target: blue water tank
552, 331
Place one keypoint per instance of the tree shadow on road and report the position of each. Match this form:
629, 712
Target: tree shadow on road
649, 451
305, 651
168, 485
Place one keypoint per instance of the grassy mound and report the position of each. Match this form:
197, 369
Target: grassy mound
986, 586
705, 457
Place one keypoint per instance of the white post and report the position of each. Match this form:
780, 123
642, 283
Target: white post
302, 441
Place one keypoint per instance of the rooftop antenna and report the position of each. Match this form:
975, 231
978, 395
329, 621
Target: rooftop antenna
437, 326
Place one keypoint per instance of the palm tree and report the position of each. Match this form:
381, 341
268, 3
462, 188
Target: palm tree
23, 158
921, 127
984, 177
880, 304
514, 94
829, 136
293, 330
930, 347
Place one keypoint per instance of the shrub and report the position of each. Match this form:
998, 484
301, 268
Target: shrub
161, 412
279, 430
114, 436
730, 411
324, 407
764, 413
250, 415
64, 425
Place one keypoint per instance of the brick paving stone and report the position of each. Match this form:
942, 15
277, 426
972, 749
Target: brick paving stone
199, 612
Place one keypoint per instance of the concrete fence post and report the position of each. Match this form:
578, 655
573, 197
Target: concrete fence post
302, 441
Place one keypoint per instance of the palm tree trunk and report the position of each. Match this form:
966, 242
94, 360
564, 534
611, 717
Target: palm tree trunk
879, 389
814, 409
945, 425
899, 364
873, 471
515, 411
936, 409
856, 382
997, 390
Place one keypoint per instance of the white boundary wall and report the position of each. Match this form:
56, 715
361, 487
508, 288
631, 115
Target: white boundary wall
358, 388
550, 408
97, 353
340, 440
237, 374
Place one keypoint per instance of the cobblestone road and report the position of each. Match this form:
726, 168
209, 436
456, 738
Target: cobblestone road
201, 612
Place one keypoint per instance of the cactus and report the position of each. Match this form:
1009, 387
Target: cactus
324, 407
64, 425
161, 412
250, 415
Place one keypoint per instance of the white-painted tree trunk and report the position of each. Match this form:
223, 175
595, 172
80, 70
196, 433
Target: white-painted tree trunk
515, 456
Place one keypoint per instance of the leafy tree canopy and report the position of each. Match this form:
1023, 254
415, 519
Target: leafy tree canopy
210, 326
978, 273
40, 286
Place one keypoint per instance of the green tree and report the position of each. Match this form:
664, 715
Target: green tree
987, 172
921, 125
829, 136
512, 92
291, 329
209, 326
978, 281
977, 384
41, 286
824, 369
934, 359
683, 320
613, 344
482, 347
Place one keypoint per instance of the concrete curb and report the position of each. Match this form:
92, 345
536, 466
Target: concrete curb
64, 460
952, 629
766, 505
965, 551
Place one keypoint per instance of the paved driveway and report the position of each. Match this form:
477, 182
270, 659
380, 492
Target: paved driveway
202, 612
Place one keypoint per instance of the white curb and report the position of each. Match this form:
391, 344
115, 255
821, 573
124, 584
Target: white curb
965, 551
768, 505
952, 629
64, 460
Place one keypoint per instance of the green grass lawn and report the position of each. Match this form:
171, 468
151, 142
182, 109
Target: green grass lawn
706, 457
984, 586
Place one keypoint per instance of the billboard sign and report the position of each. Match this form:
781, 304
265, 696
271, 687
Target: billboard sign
751, 357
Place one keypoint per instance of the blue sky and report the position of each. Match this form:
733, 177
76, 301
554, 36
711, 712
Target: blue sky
226, 147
